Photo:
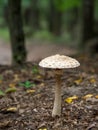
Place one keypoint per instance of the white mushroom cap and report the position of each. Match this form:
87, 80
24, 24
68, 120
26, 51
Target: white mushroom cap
59, 62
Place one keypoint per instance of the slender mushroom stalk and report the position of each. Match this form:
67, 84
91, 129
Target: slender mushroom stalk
57, 100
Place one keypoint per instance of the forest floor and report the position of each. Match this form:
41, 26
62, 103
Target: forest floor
27, 96
36, 50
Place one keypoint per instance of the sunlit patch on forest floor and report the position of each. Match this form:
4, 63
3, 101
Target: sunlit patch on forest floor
27, 95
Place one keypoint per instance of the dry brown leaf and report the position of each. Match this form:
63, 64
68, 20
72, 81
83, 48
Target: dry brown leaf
92, 80
12, 85
78, 81
0, 81
16, 77
42, 84
70, 99
43, 129
96, 96
12, 109
88, 96
30, 91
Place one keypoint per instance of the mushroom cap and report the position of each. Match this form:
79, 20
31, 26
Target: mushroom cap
59, 62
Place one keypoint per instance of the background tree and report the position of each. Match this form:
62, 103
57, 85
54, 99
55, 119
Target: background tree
32, 15
55, 18
16, 32
35, 15
60, 17
87, 20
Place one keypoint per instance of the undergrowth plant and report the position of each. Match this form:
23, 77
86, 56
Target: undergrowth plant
2, 93
35, 69
27, 84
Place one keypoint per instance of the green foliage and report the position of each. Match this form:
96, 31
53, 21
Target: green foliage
27, 84
1, 93
2, 4
25, 3
10, 90
4, 33
43, 35
64, 5
43, 4
1, 77
35, 70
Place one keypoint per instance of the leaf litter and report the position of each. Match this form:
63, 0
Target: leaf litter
30, 107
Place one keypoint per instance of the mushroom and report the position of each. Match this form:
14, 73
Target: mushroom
58, 63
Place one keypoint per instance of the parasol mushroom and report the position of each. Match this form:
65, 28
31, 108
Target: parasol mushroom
58, 63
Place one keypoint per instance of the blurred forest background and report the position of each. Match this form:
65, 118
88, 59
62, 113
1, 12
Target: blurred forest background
73, 23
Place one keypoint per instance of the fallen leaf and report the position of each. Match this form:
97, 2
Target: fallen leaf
96, 96
87, 96
16, 77
0, 81
12, 85
39, 77
43, 129
38, 95
42, 85
9, 90
78, 81
70, 99
12, 109
1, 93
30, 91
92, 80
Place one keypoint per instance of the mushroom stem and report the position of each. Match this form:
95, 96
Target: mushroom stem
57, 101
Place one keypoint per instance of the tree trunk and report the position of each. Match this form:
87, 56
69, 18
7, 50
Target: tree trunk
34, 16
73, 16
55, 19
87, 20
16, 32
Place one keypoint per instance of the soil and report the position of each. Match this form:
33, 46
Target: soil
28, 96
